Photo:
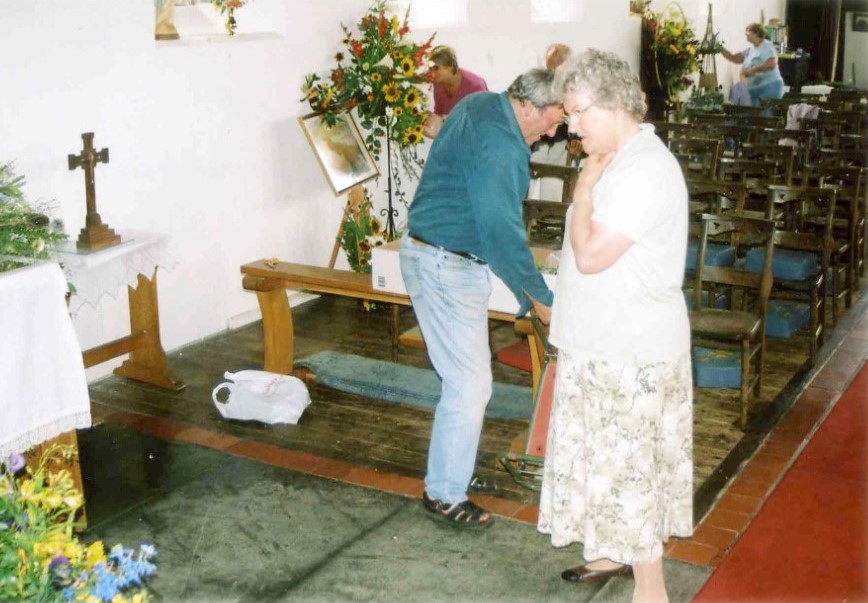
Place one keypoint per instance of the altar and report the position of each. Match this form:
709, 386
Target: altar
43, 388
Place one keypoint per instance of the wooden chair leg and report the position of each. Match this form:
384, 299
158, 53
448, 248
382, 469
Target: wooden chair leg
745, 381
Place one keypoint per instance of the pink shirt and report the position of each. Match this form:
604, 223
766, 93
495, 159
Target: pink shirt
470, 82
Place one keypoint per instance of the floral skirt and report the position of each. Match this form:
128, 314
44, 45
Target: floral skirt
618, 473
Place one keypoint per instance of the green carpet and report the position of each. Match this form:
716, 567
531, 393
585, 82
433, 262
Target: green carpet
402, 384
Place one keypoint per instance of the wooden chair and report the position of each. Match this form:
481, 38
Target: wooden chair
783, 155
850, 222
698, 156
802, 140
755, 175
801, 261
672, 130
828, 130
741, 327
547, 219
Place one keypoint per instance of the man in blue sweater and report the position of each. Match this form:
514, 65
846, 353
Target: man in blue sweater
466, 216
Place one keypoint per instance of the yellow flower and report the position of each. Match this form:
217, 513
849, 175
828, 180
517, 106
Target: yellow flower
376, 77
73, 499
95, 553
52, 500
412, 98
27, 492
412, 137
408, 66
392, 92
398, 111
376, 227
394, 23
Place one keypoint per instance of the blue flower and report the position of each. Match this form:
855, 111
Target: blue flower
15, 464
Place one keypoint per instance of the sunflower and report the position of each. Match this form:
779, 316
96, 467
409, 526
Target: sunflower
407, 66
364, 246
398, 111
376, 226
376, 77
412, 136
412, 98
392, 92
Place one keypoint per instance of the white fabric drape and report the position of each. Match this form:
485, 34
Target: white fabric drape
43, 388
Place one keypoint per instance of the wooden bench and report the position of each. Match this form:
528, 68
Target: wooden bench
269, 281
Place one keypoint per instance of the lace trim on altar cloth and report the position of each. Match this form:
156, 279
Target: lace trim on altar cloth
95, 279
23, 442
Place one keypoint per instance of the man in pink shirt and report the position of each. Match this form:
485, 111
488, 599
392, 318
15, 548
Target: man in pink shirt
451, 84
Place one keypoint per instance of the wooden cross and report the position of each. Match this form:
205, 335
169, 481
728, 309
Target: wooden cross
95, 234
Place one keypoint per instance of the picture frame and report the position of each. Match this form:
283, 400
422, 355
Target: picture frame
860, 21
340, 151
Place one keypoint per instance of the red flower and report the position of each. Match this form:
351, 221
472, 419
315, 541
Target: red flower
381, 26
357, 48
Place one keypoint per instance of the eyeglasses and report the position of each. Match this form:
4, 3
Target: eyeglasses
578, 113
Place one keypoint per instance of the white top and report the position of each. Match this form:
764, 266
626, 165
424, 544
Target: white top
634, 311
43, 389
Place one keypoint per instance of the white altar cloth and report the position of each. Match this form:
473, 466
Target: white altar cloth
43, 388
107, 271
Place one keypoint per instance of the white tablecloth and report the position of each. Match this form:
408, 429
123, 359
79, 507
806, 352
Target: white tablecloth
43, 389
109, 271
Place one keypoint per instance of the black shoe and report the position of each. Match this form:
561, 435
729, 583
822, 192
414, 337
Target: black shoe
461, 515
586, 575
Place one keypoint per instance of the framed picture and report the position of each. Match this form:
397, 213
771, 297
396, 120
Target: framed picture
340, 150
860, 21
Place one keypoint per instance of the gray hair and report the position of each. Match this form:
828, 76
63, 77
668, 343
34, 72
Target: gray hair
606, 78
535, 86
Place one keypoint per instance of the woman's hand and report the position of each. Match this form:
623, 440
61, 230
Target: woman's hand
592, 169
543, 311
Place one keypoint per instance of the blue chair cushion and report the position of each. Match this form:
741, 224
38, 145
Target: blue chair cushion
721, 301
716, 368
787, 264
716, 254
784, 317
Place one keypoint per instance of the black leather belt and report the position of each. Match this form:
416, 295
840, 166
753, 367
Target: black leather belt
462, 254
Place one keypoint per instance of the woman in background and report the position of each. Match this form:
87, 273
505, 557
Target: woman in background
451, 84
759, 63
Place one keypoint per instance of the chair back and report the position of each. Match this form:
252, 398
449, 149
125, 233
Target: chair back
567, 174
697, 156
754, 288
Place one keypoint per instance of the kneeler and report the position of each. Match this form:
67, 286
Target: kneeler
526, 464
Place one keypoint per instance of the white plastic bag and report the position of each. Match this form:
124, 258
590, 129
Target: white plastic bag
262, 396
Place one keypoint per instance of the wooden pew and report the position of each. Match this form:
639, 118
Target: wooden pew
269, 282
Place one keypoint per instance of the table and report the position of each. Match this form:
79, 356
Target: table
133, 263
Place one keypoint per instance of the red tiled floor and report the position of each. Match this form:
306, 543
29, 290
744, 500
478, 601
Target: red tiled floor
693, 552
739, 503
208, 439
719, 538
727, 520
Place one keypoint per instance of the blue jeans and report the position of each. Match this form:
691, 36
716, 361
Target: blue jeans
773, 89
450, 298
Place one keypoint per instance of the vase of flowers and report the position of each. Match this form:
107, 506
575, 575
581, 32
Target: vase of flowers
669, 57
228, 8
41, 559
360, 232
379, 74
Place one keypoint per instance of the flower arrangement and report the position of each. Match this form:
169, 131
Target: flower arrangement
379, 75
229, 6
25, 230
40, 557
360, 233
672, 49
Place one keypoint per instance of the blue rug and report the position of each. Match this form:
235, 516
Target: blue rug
403, 384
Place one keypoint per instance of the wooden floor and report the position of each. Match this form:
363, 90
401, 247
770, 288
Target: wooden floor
394, 438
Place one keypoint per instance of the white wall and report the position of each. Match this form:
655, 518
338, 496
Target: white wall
203, 137
855, 51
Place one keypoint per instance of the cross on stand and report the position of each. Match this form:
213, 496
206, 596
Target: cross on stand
95, 234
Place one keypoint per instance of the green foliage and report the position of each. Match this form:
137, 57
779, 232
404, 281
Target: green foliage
24, 229
360, 233
705, 100
674, 48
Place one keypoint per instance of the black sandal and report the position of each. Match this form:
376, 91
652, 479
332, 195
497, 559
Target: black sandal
462, 515
482, 485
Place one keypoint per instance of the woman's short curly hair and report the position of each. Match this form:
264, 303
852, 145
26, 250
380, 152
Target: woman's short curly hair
444, 56
758, 30
605, 77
